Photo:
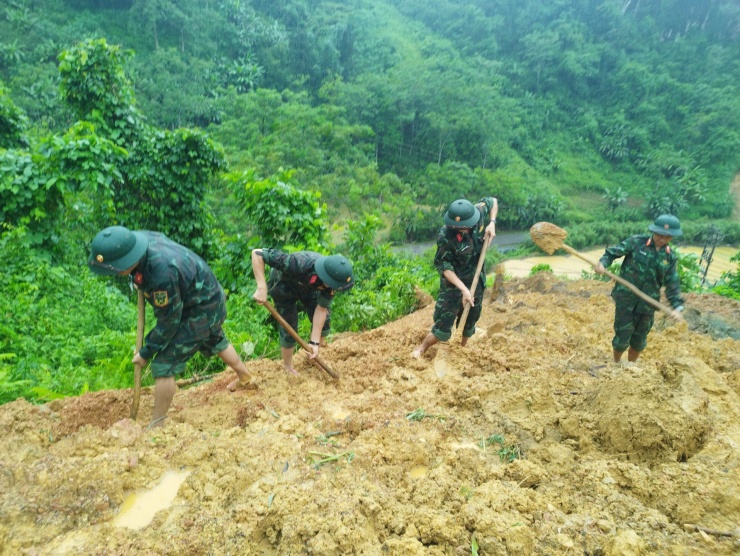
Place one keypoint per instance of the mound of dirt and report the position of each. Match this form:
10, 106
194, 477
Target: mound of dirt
529, 440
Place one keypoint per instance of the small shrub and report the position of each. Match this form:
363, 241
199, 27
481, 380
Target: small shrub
542, 267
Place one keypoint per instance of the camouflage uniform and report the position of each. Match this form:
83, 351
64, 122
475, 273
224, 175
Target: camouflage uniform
648, 269
188, 302
293, 280
459, 252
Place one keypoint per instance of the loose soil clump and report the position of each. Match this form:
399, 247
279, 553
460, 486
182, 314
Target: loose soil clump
529, 440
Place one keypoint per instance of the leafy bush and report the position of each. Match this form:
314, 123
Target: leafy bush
542, 267
592, 275
71, 331
701, 231
729, 284
385, 282
279, 213
417, 224
689, 272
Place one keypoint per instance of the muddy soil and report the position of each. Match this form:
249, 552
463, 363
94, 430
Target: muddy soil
529, 440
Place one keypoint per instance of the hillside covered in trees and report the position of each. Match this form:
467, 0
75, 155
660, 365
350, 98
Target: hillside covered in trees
305, 124
341, 127
566, 110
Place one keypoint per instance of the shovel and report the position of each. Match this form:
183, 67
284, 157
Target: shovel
549, 238
289, 329
139, 341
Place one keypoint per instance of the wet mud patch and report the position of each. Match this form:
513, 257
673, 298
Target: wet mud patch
97, 409
524, 446
641, 420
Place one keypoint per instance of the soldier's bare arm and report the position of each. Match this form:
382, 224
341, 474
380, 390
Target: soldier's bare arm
258, 268
455, 281
317, 325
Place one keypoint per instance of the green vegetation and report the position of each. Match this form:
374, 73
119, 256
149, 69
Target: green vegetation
419, 415
506, 452
540, 268
326, 458
336, 127
729, 285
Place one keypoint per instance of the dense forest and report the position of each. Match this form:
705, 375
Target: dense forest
230, 124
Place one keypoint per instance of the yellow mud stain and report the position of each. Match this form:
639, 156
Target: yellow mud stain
440, 367
73, 543
419, 471
138, 510
337, 412
340, 414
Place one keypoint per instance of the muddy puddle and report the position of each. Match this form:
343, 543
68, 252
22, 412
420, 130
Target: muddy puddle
139, 508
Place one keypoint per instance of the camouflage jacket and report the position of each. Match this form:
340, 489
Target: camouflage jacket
647, 268
293, 276
459, 252
178, 284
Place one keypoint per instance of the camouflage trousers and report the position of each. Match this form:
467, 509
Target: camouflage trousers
200, 331
449, 308
288, 304
631, 328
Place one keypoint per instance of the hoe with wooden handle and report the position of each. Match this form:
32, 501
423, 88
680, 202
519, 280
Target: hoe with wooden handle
550, 238
139, 341
289, 329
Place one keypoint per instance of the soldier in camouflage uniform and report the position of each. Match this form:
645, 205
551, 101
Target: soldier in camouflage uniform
304, 278
188, 302
459, 245
649, 264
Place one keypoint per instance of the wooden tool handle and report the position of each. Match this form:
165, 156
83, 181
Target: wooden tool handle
658, 305
474, 285
289, 329
139, 342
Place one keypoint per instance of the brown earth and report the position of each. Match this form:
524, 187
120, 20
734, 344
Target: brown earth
611, 460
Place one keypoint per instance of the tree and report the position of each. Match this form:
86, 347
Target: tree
279, 213
36, 176
13, 122
165, 178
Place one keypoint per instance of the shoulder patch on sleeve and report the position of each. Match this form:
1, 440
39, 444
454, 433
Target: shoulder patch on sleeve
161, 298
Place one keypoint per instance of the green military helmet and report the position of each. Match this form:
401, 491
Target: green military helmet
116, 249
462, 214
335, 271
666, 225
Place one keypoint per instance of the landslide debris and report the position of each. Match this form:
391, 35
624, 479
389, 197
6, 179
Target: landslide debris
529, 439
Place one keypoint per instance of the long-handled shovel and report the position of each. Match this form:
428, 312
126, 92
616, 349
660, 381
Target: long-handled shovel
139, 341
316, 361
549, 238
474, 285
